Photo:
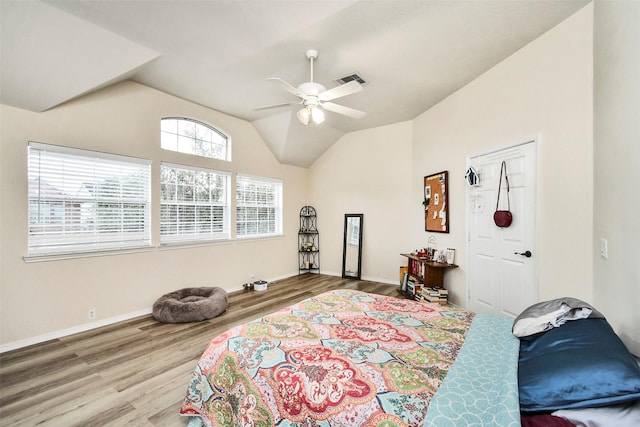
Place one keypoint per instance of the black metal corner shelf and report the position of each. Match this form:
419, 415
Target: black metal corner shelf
308, 242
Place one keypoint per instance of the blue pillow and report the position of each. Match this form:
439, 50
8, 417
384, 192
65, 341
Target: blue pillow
581, 364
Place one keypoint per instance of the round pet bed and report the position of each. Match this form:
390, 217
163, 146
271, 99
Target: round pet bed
190, 305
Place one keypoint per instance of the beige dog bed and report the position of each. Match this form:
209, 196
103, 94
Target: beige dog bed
190, 305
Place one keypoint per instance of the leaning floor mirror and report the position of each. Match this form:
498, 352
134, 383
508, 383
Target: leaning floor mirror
352, 249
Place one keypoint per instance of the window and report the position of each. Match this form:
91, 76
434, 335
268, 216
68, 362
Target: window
259, 206
194, 204
82, 201
193, 137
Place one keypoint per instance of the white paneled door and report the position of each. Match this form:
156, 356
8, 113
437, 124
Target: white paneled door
502, 261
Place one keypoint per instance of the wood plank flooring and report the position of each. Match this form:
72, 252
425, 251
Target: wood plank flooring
134, 373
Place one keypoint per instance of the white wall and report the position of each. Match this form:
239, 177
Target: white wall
617, 166
367, 172
42, 298
545, 89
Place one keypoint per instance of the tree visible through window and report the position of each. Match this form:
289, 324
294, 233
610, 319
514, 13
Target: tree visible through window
81, 200
194, 204
192, 137
258, 206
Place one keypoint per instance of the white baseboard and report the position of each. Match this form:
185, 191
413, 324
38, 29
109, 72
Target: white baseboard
283, 276
381, 280
74, 330
370, 279
339, 274
332, 273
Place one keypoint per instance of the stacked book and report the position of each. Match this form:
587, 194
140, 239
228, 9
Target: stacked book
433, 295
413, 287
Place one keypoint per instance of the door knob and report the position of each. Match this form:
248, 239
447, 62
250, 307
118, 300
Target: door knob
525, 253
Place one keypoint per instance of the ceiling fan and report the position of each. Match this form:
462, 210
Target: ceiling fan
314, 97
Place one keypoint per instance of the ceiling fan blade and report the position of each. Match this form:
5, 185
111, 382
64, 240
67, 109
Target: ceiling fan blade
340, 91
284, 104
286, 86
345, 111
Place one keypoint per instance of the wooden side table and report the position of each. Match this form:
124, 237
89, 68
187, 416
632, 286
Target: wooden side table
429, 273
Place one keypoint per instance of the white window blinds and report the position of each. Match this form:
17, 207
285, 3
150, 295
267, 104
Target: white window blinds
258, 206
83, 201
194, 204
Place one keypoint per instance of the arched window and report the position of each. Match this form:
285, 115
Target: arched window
193, 137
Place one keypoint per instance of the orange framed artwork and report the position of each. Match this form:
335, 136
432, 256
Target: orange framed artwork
436, 202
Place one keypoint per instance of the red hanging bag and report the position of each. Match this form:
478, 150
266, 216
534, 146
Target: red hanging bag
500, 217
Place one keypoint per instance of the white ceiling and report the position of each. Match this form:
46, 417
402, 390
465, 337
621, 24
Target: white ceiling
218, 53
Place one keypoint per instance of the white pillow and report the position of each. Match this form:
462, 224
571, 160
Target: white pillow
547, 315
624, 415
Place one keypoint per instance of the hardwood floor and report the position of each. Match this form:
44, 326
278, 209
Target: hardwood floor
134, 372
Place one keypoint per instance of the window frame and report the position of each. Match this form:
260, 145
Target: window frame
278, 208
187, 238
83, 231
194, 139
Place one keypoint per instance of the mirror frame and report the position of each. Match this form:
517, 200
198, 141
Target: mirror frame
344, 247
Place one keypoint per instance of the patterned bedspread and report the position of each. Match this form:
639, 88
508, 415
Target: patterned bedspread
343, 358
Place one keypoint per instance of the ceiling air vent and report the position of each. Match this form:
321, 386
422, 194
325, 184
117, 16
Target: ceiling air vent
350, 77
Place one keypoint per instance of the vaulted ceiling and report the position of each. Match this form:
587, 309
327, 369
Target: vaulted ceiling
219, 53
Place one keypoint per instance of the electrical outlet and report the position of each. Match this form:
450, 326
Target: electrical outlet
252, 277
92, 313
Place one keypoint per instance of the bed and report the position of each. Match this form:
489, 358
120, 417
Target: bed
350, 358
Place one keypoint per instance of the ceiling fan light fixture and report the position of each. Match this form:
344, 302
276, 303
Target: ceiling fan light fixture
304, 115
317, 115
310, 113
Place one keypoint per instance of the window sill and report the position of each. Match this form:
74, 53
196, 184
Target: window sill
243, 239
192, 244
89, 254
163, 246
